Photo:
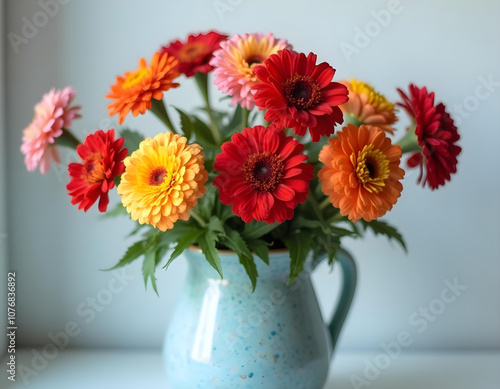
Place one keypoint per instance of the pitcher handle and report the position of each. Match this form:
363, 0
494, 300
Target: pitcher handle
349, 277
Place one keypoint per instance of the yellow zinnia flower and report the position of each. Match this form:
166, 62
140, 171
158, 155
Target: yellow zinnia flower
163, 180
367, 106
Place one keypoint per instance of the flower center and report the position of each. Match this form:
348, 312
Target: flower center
254, 59
191, 51
302, 92
372, 168
263, 171
379, 102
158, 175
135, 78
93, 169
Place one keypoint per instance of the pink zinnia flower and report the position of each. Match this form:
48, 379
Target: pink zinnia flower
52, 114
235, 61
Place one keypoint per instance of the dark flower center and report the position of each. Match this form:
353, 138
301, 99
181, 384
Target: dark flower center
302, 92
191, 51
372, 168
157, 176
254, 60
263, 171
93, 168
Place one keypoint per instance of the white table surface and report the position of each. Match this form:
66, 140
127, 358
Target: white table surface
91, 369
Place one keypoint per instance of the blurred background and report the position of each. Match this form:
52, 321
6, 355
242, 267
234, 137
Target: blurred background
452, 233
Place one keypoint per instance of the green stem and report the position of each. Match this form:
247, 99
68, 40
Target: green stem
67, 139
349, 119
198, 218
202, 82
335, 218
409, 142
244, 117
158, 108
324, 204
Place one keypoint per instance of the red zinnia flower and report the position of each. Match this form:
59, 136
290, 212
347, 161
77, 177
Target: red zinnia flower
102, 161
299, 94
263, 174
194, 55
436, 135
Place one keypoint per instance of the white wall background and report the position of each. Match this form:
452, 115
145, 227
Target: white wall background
3, 185
451, 233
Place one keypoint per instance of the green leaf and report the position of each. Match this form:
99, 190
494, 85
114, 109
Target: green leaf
186, 123
207, 243
132, 253
326, 243
189, 238
118, 210
203, 132
380, 227
215, 224
207, 203
339, 231
300, 222
255, 229
149, 267
117, 179
233, 124
313, 148
299, 245
132, 139
160, 253
235, 242
226, 213
260, 247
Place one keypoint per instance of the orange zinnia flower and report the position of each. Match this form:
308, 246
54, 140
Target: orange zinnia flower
361, 173
367, 106
134, 90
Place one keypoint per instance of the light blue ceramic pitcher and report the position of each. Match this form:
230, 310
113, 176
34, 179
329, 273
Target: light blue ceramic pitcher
224, 336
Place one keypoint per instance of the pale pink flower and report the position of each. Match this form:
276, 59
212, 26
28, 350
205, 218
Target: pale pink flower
235, 60
52, 114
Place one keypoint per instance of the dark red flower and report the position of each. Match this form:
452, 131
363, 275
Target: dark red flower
299, 94
102, 158
263, 174
436, 135
195, 54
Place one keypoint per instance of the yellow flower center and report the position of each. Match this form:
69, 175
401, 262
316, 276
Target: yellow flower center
372, 168
379, 102
191, 51
135, 78
93, 169
252, 52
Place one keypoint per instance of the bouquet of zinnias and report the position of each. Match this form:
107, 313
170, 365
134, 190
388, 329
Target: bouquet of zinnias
234, 179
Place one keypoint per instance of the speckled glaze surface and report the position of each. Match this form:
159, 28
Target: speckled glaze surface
224, 336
